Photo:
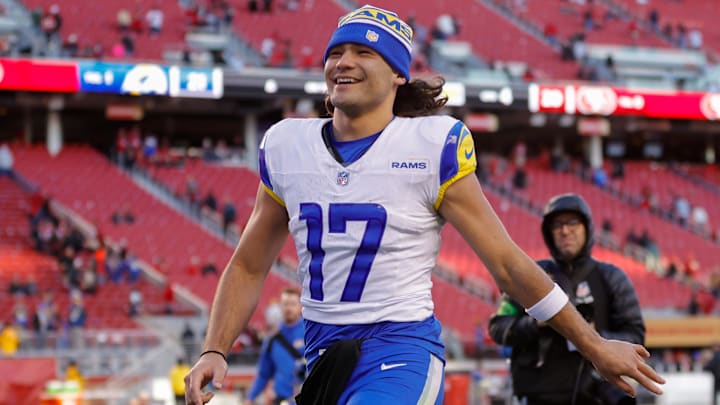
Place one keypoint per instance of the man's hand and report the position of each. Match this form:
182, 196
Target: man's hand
210, 367
615, 359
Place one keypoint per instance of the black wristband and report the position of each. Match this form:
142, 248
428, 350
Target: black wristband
216, 352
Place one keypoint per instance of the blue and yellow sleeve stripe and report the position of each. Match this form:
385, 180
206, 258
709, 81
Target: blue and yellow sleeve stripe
457, 159
265, 176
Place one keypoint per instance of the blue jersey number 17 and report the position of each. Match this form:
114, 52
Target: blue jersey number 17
338, 216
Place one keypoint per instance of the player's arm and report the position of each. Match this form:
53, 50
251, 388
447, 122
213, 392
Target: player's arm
238, 291
466, 208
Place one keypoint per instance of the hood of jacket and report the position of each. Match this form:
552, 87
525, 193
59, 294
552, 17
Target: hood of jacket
568, 203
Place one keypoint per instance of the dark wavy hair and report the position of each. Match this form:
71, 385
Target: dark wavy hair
416, 98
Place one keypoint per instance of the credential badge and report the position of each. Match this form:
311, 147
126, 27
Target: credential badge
343, 178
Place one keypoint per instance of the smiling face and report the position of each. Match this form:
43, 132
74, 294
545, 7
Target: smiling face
359, 80
569, 234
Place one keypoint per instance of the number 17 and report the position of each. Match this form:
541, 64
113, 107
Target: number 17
338, 216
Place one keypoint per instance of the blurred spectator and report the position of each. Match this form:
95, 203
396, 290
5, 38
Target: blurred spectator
89, 281
654, 19
648, 198
124, 215
135, 302
51, 23
46, 318
599, 177
155, 19
77, 316
71, 48
699, 219
579, 48
713, 367
695, 38
714, 283
188, 341
519, 179
21, 314
681, 209
192, 193
117, 50
72, 373
16, 286
193, 268
681, 37
607, 225
124, 20
551, 32
588, 19
267, 46
292, 5
9, 339
128, 44
208, 152
138, 24
177, 380
209, 267
210, 201
446, 26
168, 298
253, 6
667, 31
268, 6
6, 160
229, 215
31, 287
693, 306
228, 14
150, 147
222, 151
559, 162
36, 16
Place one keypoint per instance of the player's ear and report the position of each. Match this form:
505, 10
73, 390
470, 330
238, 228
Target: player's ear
399, 79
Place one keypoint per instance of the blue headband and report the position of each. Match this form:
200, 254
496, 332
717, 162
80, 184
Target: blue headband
379, 29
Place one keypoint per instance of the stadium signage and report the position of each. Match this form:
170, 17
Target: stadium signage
59, 76
150, 79
699, 331
38, 75
610, 101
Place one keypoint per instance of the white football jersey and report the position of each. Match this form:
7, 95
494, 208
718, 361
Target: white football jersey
367, 234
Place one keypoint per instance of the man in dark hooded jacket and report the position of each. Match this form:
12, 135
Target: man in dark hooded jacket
546, 369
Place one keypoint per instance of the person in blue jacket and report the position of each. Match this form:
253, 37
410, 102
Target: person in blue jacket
281, 359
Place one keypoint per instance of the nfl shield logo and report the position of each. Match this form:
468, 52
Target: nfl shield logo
372, 36
343, 178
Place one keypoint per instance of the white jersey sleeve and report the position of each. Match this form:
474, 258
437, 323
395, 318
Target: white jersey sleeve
367, 234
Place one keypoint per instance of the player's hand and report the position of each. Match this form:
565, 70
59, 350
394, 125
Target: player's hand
616, 359
210, 367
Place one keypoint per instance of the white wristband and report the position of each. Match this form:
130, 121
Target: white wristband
549, 305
